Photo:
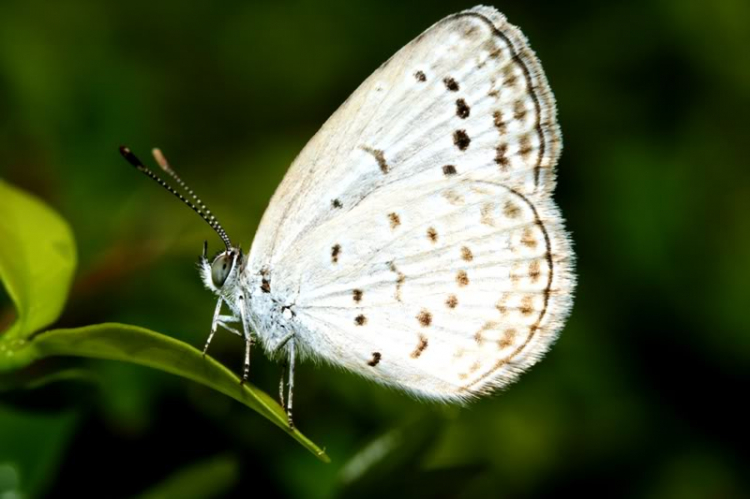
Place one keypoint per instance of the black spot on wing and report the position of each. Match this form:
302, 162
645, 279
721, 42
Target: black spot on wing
462, 109
461, 139
375, 359
450, 84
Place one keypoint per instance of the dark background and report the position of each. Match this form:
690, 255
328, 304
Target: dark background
642, 395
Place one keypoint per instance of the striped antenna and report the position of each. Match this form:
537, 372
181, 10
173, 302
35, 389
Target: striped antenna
200, 209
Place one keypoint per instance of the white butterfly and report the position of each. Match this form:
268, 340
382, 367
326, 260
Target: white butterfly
414, 240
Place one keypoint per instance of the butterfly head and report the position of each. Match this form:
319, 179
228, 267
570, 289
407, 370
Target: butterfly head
222, 275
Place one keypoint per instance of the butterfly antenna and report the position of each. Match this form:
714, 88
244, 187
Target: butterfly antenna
164, 164
200, 209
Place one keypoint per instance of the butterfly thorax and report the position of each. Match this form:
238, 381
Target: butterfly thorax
271, 309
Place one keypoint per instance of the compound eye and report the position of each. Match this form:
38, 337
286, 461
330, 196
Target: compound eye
220, 269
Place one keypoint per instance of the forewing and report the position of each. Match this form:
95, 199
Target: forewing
466, 98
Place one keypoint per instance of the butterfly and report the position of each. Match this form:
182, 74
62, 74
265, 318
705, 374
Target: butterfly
414, 240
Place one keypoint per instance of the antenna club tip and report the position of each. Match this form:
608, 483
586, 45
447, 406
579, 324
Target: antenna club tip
160, 159
130, 157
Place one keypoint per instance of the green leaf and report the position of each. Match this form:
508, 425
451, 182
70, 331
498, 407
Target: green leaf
148, 348
211, 478
37, 261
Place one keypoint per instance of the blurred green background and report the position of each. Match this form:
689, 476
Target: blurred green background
642, 395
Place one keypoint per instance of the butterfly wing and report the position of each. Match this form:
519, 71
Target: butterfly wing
446, 288
431, 184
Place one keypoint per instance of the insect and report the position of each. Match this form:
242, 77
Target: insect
414, 240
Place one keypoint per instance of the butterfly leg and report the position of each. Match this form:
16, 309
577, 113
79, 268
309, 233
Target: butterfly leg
214, 325
281, 385
291, 384
286, 339
283, 341
224, 321
248, 343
